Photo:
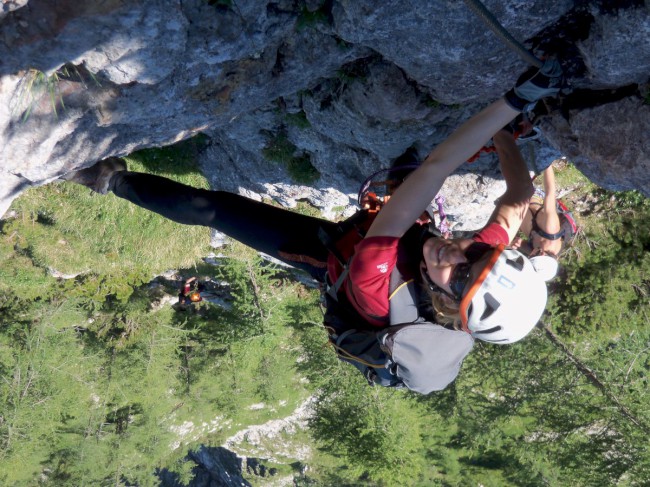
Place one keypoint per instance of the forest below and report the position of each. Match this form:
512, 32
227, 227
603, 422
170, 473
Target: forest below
99, 376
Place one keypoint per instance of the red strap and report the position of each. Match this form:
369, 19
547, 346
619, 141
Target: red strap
372, 202
491, 148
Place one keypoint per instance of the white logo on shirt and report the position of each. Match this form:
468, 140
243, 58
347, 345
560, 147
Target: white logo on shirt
383, 268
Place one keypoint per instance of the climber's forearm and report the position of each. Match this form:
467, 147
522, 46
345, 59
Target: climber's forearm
416, 193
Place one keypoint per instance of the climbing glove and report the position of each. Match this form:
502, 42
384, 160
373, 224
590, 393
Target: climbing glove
534, 85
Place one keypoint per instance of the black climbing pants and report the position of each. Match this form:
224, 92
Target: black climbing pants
288, 236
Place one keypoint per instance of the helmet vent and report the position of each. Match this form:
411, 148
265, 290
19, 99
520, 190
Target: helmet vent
497, 341
517, 264
491, 305
494, 329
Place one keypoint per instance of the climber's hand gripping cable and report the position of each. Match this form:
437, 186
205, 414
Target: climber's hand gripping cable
534, 85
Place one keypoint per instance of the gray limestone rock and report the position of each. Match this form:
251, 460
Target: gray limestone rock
348, 89
215, 466
444, 45
378, 111
616, 163
615, 52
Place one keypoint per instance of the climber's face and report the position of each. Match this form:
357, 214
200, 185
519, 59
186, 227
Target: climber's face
450, 263
544, 244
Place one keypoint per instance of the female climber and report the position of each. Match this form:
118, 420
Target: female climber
489, 290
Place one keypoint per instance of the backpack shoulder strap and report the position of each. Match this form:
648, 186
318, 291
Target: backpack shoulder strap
403, 300
405, 292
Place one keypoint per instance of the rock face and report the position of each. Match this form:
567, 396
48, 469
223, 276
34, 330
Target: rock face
215, 467
303, 98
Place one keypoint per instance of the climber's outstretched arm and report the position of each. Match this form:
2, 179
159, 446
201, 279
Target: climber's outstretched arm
513, 204
550, 196
414, 194
548, 219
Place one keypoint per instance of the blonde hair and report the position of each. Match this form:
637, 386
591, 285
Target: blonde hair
444, 311
445, 314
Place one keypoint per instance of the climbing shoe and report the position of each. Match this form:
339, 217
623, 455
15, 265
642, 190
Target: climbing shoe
97, 177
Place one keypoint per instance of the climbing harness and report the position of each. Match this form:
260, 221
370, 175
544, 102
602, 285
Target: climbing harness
549, 236
568, 226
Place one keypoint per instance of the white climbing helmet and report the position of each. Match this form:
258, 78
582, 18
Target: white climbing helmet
507, 299
545, 265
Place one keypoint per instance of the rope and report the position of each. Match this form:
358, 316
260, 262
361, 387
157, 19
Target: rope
365, 186
490, 20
